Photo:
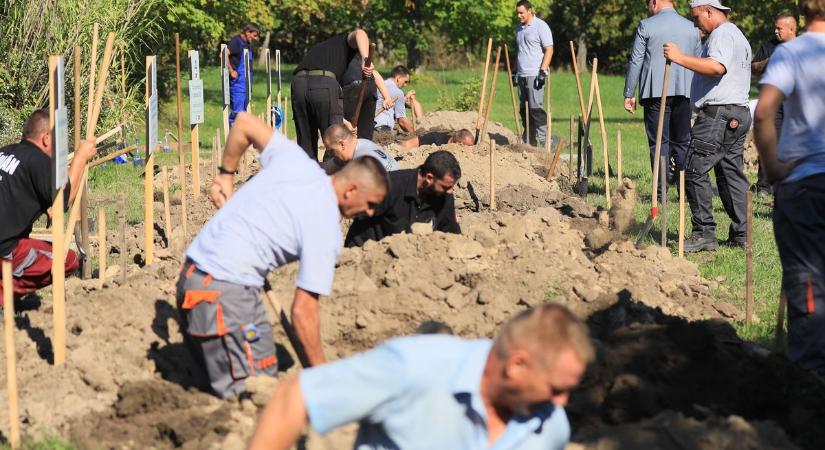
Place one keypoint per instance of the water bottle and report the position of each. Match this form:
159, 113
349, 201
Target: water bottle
166, 141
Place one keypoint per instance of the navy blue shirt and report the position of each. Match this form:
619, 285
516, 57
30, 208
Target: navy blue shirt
236, 47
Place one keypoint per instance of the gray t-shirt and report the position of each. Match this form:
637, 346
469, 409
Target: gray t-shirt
729, 47
532, 40
287, 212
365, 147
795, 70
388, 117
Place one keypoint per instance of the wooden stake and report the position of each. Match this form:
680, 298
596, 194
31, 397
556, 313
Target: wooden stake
412, 111
512, 92
659, 131
578, 80
527, 122
149, 175
268, 59
123, 80
605, 154
92, 73
619, 155
682, 213
548, 136
58, 235
286, 120
102, 250
483, 90
663, 174
11, 355
167, 218
492, 96
121, 225
749, 261
570, 152
492, 175
556, 156
196, 161
216, 155
181, 156
84, 199
224, 67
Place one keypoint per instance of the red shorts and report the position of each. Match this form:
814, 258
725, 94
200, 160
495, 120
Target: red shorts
32, 266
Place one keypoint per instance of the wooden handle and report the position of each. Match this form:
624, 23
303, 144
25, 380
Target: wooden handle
605, 154
492, 94
578, 78
682, 213
101, 246
484, 85
362, 90
11, 355
92, 72
659, 129
512, 92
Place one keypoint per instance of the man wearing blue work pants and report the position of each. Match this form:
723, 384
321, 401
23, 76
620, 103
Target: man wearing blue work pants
719, 91
647, 70
238, 95
535, 52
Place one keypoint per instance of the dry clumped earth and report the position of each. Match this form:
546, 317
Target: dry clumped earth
671, 372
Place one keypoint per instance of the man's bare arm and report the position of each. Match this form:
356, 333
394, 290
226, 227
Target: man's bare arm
283, 418
548, 58
411, 143
247, 131
307, 322
765, 135
85, 152
704, 66
405, 124
759, 66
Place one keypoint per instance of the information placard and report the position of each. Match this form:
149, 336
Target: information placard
195, 102
60, 138
151, 106
268, 75
225, 74
194, 65
247, 67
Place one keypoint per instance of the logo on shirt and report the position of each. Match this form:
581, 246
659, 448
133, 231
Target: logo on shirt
381, 154
8, 163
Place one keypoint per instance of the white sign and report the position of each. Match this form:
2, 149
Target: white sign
247, 68
195, 102
278, 67
225, 74
194, 65
152, 108
268, 74
60, 139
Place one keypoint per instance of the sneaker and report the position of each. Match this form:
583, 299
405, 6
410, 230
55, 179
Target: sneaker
697, 243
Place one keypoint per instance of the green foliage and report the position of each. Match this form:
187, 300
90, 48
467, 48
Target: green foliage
466, 100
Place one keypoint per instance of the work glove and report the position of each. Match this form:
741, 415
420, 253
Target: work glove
540, 79
515, 80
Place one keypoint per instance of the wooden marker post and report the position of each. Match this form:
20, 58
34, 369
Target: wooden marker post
749, 261
59, 124
578, 81
268, 64
412, 112
492, 175
682, 213
167, 215
527, 122
492, 96
286, 120
216, 154
605, 154
278, 72
225, 89
512, 93
619, 155
151, 144
247, 72
102, 250
570, 152
663, 193
181, 156
11, 354
121, 231
123, 80
196, 115
84, 199
483, 91
548, 136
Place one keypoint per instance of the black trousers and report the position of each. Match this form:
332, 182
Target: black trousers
317, 103
366, 122
675, 130
799, 227
718, 142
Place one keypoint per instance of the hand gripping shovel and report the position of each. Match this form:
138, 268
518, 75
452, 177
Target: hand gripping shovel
654, 210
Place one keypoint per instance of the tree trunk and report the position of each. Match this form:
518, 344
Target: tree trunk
261, 60
581, 53
413, 53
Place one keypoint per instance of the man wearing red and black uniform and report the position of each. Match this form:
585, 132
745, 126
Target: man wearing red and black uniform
317, 98
26, 192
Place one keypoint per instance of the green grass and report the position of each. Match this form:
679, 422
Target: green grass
47, 443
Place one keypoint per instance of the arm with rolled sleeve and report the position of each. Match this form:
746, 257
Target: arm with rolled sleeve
637, 57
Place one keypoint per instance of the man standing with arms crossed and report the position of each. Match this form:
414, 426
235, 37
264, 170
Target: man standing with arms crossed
784, 31
721, 82
289, 211
796, 167
535, 53
647, 70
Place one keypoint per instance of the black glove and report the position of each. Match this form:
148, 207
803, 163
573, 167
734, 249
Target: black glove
515, 80
540, 79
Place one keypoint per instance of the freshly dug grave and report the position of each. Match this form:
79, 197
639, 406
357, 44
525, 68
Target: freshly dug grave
130, 382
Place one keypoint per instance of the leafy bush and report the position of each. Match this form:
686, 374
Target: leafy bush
466, 100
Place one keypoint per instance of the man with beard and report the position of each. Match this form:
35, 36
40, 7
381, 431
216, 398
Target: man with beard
440, 391
422, 195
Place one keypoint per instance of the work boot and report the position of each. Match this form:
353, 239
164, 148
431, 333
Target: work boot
736, 242
698, 242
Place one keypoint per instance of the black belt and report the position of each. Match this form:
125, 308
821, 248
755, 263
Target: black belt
319, 73
711, 109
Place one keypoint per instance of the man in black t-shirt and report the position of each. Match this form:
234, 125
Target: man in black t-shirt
462, 136
317, 97
238, 97
423, 195
26, 192
351, 86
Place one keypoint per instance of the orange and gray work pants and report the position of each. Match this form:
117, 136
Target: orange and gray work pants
226, 329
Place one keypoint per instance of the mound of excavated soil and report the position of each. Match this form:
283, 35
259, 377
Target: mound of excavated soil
456, 120
670, 372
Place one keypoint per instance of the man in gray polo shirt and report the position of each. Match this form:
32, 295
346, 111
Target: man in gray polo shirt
720, 94
647, 70
290, 211
345, 146
535, 52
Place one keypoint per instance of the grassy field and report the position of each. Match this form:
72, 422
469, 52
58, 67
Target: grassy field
436, 88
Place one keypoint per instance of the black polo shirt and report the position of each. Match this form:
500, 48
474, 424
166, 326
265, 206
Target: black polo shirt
400, 209
333, 55
434, 138
25, 191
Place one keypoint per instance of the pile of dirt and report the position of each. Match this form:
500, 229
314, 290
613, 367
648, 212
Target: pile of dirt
456, 120
669, 367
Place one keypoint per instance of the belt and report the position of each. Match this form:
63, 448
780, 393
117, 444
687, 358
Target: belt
318, 73
713, 108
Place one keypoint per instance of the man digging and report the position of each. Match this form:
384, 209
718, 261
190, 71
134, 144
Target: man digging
443, 392
289, 211
345, 147
438, 138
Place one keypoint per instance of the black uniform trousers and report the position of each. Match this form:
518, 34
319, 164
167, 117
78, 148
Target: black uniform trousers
366, 121
317, 103
718, 142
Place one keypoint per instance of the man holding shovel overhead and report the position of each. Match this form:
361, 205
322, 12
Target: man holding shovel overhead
794, 161
719, 92
646, 70
238, 97
535, 52
290, 211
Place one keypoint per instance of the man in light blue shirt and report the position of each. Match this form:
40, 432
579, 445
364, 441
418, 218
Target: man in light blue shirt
386, 119
535, 53
288, 211
646, 70
443, 392
796, 166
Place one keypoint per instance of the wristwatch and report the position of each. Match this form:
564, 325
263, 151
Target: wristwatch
223, 171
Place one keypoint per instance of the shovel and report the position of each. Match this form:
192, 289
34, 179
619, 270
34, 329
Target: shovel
288, 329
654, 209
